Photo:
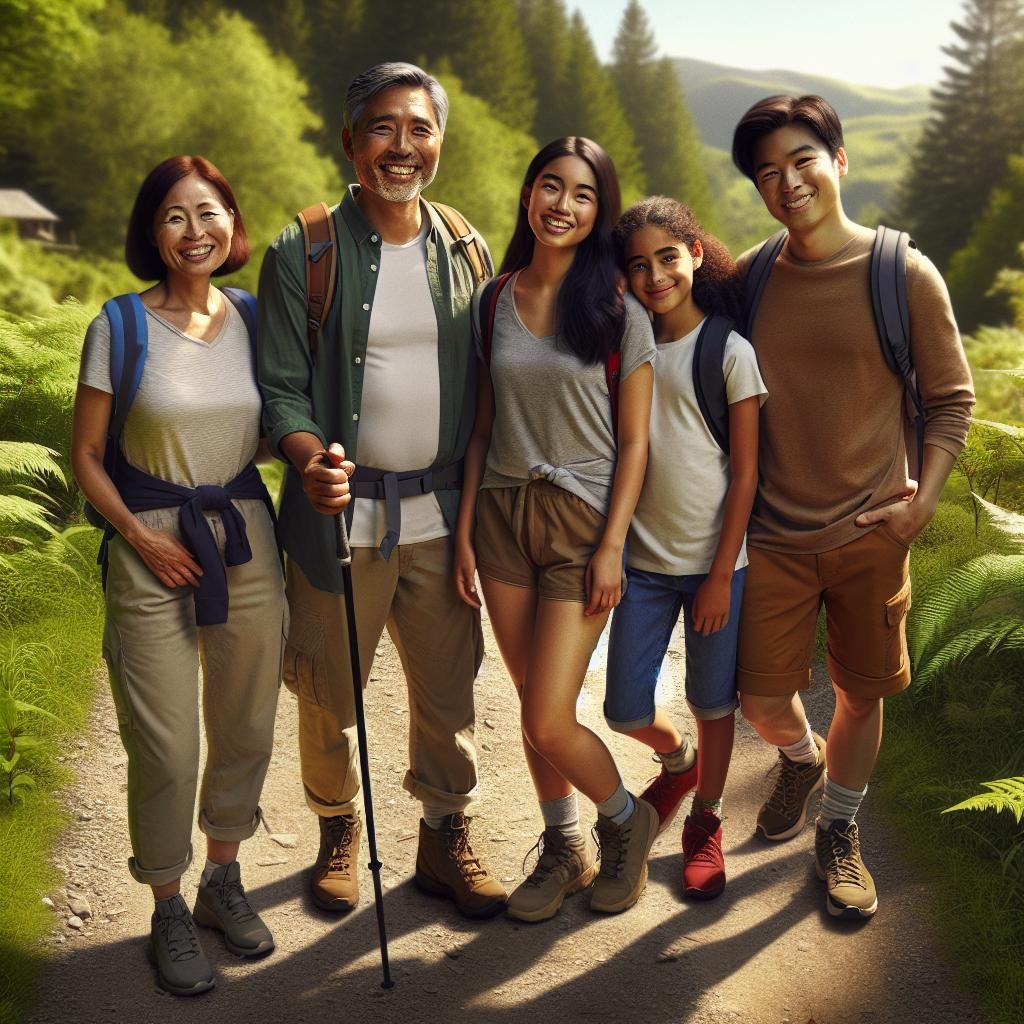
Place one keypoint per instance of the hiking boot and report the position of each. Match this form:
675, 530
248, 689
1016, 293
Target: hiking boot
335, 882
181, 965
703, 862
624, 850
565, 864
446, 866
784, 813
851, 889
221, 903
665, 793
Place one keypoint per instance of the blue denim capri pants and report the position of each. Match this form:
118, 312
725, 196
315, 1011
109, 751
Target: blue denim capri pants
642, 627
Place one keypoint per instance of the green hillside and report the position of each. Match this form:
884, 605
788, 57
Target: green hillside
880, 126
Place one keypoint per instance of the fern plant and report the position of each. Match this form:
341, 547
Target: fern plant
1003, 795
979, 609
25, 511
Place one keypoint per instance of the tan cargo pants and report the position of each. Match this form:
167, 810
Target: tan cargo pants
153, 649
440, 642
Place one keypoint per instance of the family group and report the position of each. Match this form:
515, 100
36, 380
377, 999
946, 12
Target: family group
622, 418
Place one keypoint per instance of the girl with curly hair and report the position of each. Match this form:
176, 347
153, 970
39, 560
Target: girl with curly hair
686, 548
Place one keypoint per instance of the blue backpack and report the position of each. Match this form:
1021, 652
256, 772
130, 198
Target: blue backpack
129, 344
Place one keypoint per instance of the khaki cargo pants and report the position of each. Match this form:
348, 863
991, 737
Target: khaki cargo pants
440, 643
153, 649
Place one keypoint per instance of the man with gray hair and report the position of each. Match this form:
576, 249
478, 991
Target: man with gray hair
383, 375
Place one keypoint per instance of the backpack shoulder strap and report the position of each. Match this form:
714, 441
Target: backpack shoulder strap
321, 244
709, 377
892, 321
129, 343
465, 239
889, 297
245, 303
488, 307
758, 272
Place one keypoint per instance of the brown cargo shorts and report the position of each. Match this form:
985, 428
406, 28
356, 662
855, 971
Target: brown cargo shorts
539, 536
865, 587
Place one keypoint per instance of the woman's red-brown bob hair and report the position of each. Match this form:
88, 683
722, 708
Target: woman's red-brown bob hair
141, 254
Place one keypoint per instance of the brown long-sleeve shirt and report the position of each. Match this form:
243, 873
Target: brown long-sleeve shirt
831, 439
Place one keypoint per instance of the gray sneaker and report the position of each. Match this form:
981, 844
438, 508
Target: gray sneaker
221, 903
565, 864
181, 965
624, 850
784, 813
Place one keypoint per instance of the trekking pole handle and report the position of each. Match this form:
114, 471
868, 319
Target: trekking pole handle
342, 548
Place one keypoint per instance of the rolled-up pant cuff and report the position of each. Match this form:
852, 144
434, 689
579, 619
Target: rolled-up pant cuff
229, 833
451, 802
160, 876
711, 714
332, 810
628, 727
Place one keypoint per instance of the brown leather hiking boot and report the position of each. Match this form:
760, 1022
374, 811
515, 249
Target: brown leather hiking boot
446, 866
335, 883
837, 858
784, 813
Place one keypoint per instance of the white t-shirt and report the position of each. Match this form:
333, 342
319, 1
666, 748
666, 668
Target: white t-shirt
196, 417
552, 414
678, 518
400, 411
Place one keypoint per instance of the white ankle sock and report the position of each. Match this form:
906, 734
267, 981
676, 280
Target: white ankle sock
434, 814
839, 803
680, 760
619, 806
804, 751
208, 870
563, 814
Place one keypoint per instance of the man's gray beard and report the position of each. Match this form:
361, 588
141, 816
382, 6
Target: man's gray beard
406, 191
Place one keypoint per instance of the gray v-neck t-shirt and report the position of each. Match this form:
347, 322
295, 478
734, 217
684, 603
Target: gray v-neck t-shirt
196, 417
552, 414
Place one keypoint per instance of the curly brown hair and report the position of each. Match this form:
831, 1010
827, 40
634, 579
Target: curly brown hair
716, 283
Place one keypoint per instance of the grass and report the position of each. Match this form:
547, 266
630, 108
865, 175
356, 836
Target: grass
49, 649
940, 745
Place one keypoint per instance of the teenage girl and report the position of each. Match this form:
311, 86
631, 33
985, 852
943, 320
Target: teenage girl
686, 547
550, 486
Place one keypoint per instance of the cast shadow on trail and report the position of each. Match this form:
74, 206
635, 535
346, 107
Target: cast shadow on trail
492, 971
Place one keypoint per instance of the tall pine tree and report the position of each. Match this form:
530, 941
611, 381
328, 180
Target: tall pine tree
575, 92
652, 98
976, 125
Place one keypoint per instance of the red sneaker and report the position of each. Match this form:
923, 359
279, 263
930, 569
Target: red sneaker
665, 793
703, 863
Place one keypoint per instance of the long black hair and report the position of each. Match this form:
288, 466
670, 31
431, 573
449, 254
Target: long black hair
589, 316
716, 285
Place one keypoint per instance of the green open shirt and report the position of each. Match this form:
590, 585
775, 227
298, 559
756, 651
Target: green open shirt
324, 399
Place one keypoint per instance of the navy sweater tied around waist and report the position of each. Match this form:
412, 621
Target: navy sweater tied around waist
141, 492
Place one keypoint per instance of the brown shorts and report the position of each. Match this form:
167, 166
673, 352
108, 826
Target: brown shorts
865, 587
539, 536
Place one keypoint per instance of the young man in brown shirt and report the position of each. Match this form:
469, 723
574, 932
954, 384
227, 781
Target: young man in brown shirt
836, 511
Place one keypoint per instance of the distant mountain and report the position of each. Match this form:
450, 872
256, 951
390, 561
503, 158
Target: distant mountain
880, 128
718, 96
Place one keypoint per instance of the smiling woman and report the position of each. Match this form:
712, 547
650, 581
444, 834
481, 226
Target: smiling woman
191, 567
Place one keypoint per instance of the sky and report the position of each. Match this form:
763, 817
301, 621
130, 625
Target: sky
868, 42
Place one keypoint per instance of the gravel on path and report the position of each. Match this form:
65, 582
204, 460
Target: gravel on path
766, 952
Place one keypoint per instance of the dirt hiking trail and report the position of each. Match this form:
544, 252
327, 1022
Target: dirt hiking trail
765, 952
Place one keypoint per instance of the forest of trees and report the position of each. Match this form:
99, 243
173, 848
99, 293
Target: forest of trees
103, 91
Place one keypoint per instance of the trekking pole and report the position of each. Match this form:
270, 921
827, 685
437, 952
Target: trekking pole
344, 553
